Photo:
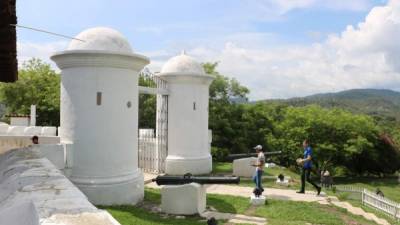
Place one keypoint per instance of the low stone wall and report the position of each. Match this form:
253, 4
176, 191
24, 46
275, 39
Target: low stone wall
6, 129
8, 142
33, 191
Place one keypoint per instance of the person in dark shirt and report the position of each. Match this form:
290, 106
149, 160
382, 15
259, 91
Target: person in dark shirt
35, 140
306, 170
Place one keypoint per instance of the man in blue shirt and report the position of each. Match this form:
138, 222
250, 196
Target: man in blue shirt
307, 164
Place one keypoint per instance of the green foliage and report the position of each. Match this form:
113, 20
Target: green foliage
219, 154
340, 139
147, 104
37, 85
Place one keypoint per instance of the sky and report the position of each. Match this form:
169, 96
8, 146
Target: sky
276, 48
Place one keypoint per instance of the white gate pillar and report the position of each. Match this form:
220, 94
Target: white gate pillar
188, 141
99, 115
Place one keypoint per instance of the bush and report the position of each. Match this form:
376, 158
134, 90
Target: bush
219, 154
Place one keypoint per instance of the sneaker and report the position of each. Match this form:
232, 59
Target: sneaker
300, 192
318, 190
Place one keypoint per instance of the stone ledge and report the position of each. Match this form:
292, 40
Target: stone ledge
31, 184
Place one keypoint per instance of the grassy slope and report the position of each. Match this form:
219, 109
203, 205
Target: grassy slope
131, 215
276, 212
389, 186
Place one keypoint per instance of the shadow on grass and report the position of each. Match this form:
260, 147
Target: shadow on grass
221, 205
129, 215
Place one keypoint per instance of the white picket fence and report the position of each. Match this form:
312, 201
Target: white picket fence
383, 204
152, 152
375, 201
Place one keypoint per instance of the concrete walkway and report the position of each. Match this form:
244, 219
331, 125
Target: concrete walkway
357, 211
235, 218
285, 194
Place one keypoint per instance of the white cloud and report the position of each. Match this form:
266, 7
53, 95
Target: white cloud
366, 56
274, 9
362, 56
28, 50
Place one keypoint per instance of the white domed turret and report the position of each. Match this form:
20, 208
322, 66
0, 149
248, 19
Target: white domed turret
182, 64
188, 140
99, 115
102, 39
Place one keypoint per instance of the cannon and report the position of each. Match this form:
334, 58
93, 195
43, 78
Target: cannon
189, 178
232, 157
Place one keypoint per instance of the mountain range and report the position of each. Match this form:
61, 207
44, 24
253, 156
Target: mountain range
375, 102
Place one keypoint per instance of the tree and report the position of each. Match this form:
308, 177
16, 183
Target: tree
37, 85
147, 103
227, 120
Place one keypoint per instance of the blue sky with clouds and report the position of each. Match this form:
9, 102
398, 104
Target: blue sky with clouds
278, 48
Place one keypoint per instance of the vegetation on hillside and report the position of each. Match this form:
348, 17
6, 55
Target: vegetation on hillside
37, 85
343, 142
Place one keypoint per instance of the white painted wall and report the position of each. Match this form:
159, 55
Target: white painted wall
33, 191
104, 136
8, 142
187, 199
188, 135
19, 121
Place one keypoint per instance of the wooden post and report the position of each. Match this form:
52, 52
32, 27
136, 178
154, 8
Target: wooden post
362, 197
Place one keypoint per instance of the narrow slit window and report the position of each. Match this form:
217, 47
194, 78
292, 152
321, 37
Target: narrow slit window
98, 98
194, 105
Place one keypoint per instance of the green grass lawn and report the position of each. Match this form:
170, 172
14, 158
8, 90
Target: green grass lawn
277, 212
371, 210
389, 186
131, 215
222, 168
297, 213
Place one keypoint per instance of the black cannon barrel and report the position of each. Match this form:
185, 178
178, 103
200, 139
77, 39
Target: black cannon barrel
246, 155
186, 179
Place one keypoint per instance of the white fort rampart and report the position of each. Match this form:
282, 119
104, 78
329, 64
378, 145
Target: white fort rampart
33, 191
99, 115
188, 137
96, 146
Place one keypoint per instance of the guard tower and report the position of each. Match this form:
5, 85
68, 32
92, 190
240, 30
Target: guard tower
99, 115
188, 140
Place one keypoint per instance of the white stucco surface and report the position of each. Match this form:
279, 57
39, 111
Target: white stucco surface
11, 130
101, 38
99, 115
187, 199
182, 64
19, 121
54, 153
242, 167
257, 200
8, 142
33, 191
285, 181
188, 136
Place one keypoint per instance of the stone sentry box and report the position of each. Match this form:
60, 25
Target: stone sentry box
187, 199
99, 115
188, 135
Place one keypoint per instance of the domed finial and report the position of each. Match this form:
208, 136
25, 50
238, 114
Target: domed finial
183, 52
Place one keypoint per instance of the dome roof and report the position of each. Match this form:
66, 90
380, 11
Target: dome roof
182, 64
101, 38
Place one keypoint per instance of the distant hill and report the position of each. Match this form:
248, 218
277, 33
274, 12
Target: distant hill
374, 102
